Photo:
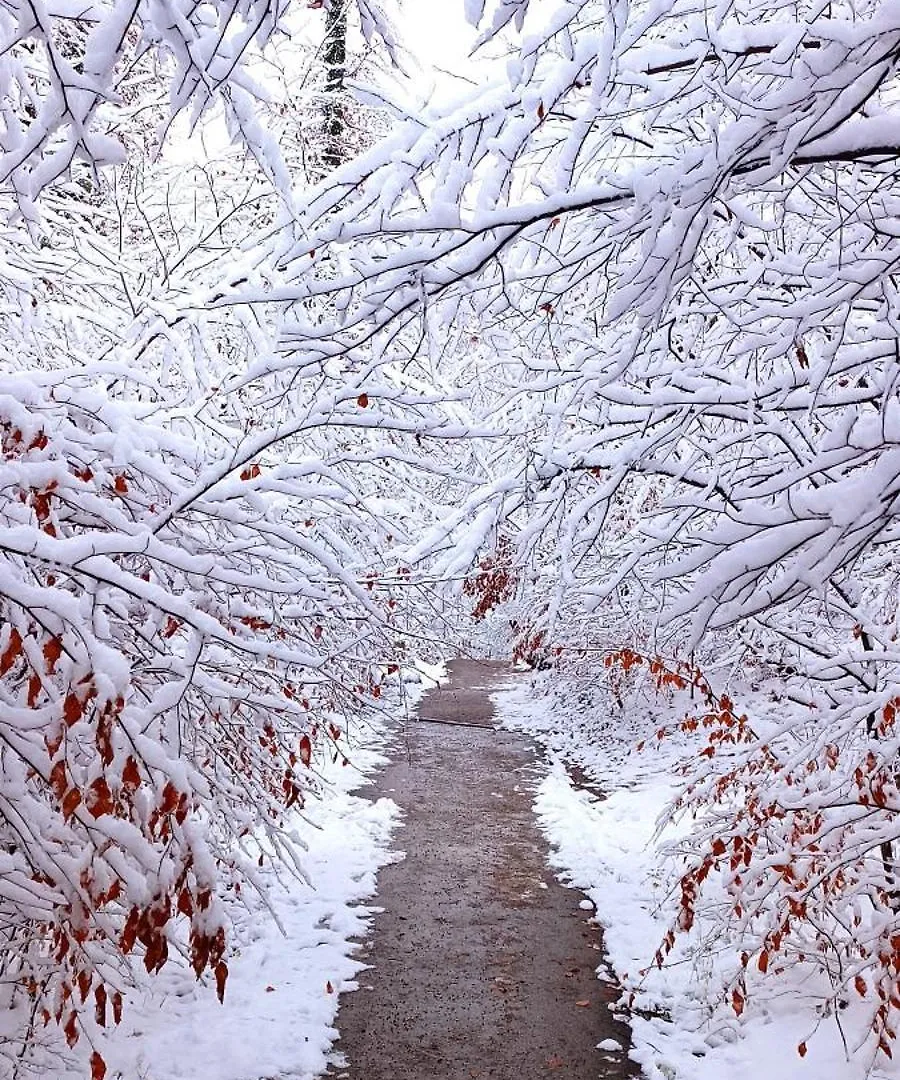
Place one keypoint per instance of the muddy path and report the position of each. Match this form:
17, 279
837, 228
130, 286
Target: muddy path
482, 965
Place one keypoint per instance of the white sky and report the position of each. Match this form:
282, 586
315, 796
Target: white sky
436, 32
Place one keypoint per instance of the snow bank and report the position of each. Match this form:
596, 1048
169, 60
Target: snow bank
608, 848
278, 1018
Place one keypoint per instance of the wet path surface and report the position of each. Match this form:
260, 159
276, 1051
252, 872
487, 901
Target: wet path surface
482, 965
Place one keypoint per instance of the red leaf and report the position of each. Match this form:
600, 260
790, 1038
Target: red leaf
329, 989
98, 1067
71, 1031
363, 401
169, 798
718, 847
121, 485
801, 1049
763, 963
250, 473
12, 650
52, 652
100, 1005
131, 775
117, 1007
72, 710
860, 983
305, 749
34, 689
540, 111
100, 799
72, 800
737, 1002
57, 779
221, 979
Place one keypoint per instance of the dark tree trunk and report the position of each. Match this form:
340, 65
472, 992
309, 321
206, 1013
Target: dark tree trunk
335, 56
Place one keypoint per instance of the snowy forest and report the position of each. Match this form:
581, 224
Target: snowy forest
322, 365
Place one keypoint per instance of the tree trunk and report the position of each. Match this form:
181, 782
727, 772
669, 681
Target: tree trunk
335, 56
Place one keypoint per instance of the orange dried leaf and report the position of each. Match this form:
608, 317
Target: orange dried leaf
70, 1029
169, 798
57, 779
71, 802
72, 709
11, 652
34, 689
131, 774
305, 749
100, 800
221, 979
52, 651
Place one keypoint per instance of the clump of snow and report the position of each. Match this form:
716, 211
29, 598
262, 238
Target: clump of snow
429, 675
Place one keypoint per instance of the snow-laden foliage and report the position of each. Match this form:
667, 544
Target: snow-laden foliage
200, 586
668, 233
77, 79
183, 622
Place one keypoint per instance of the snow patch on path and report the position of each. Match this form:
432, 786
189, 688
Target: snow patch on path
608, 848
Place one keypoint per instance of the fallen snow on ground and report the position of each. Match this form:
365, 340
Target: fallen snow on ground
278, 1018
608, 849
282, 993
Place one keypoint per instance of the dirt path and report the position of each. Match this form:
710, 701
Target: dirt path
481, 963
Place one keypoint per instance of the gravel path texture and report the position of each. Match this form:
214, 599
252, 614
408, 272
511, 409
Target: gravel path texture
482, 965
